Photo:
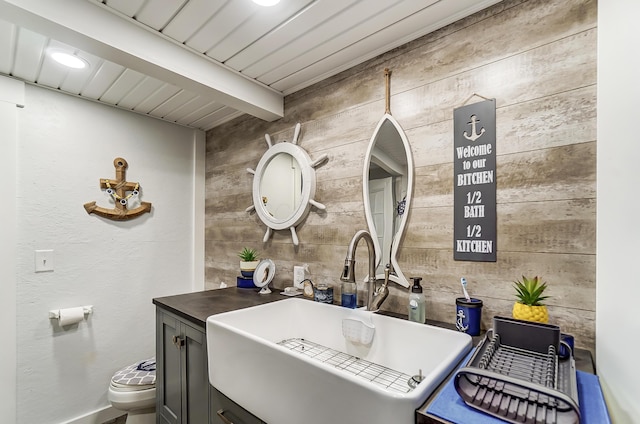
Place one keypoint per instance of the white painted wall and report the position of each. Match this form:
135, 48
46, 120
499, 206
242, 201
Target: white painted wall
618, 227
65, 145
11, 94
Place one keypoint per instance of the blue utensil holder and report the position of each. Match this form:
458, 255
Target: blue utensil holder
468, 315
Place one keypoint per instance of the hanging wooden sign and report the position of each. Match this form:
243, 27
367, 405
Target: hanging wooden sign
474, 194
118, 189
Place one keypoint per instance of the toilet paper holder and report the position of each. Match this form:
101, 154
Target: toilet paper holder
55, 314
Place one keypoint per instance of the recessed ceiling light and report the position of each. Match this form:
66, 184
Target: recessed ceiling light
68, 59
266, 2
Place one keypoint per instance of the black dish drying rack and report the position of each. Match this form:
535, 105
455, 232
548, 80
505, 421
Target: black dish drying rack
516, 375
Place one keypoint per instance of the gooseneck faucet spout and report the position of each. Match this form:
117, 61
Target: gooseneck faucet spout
348, 273
381, 292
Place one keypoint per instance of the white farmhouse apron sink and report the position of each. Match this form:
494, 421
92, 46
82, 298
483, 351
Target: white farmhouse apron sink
289, 362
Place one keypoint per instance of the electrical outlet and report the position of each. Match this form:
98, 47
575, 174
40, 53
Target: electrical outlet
298, 276
44, 260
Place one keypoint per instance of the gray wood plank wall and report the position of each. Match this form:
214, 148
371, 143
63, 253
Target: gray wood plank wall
537, 58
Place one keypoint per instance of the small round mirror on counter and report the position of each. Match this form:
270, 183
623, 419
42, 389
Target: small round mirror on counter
263, 275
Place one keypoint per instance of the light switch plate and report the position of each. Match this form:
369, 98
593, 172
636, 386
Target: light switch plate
44, 260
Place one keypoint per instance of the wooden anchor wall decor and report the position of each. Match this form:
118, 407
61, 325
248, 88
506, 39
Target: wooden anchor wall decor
118, 189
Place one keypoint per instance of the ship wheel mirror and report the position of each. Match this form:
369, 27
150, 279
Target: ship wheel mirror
284, 186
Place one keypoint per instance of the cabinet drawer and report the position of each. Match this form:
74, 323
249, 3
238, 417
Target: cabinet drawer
225, 411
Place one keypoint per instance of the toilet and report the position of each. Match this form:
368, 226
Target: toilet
133, 390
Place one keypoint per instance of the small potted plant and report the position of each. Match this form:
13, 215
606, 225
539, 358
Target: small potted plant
248, 261
529, 306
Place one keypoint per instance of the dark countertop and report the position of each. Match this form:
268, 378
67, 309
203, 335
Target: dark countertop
197, 306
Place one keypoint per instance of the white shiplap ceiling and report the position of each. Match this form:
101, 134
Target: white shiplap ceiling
201, 63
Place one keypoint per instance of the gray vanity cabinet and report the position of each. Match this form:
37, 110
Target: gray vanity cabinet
182, 381
183, 392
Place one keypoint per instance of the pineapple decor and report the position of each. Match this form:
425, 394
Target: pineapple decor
529, 306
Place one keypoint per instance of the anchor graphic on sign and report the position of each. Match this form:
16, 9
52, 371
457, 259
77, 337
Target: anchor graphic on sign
474, 135
118, 189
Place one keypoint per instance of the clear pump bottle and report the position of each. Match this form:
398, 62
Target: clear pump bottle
416, 302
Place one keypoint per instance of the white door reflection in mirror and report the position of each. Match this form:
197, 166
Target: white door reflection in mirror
284, 186
387, 183
381, 204
281, 186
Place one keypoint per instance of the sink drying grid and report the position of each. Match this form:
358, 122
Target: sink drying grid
377, 374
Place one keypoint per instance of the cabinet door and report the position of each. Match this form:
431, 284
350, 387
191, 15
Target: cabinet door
195, 397
225, 411
168, 373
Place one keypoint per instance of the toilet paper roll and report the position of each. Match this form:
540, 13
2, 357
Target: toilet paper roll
70, 316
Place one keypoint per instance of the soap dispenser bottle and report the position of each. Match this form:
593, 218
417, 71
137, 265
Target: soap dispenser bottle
416, 302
